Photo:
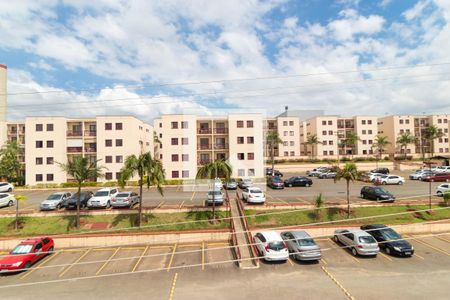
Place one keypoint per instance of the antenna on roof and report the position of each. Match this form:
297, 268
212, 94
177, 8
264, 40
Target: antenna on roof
286, 108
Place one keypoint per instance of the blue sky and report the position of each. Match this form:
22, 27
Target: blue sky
345, 57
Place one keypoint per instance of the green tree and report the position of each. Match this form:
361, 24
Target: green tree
351, 139
211, 171
148, 169
380, 145
432, 133
19, 198
404, 139
81, 169
273, 139
312, 140
9, 162
349, 173
318, 203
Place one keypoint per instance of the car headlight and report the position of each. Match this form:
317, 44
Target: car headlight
17, 264
398, 249
412, 248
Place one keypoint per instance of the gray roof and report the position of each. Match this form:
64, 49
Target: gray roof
302, 114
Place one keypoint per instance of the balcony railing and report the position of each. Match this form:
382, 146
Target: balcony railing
221, 146
204, 131
220, 130
90, 150
203, 161
12, 132
74, 133
204, 147
74, 149
90, 133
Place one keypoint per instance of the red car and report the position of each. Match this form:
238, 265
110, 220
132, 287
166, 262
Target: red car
437, 177
26, 254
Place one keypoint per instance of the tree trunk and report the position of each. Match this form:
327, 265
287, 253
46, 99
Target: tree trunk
17, 215
214, 196
140, 202
78, 205
348, 199
272, 154
405, 151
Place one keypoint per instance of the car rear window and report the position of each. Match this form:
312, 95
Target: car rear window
22, 249
366, 240
216, 193
276, 246
54, 197
120, 195
306, 242
101, 194
256, 191
3, 195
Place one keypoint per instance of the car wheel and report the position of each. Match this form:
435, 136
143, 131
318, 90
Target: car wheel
307, 185
336, 239
378, 199
388, 250
10, 190
384, 183
354, 252
108, 204
290, 184
58, 206
362, 196
27, 265
419, 178
439, 193
400, 182
50, 250
10, 203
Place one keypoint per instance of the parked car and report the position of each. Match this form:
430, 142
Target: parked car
443, 169
253, 195
269, 172
7, 199
215, 197
419, 174
125, 199
244, 182
380, 170
376, 193
326, 175
392, 179
231, 184
298, 181
217, 184
389, 240
317, 171
275, 183
71, 203
55, 201
24, 255
374, 176
102, 198
357, 241
271, 246
6, 187
442, 189
437, 177
301, 245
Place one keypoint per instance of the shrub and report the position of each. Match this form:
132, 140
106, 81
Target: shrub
446, 197
47, 185
75, 184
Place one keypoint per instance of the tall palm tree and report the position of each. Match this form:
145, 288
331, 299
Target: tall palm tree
273, 139
349, 173
351, 139
149, 171
404, 139
211, 171
312, 140
81, 169
380, 144
432, 133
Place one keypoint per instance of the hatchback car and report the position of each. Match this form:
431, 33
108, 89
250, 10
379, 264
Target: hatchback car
357, 241
275, 183
442, 189
327, 175
253, 195
24, 255
55, 201
389, 240
230, 184
102, 198
6, 187
125, 199
298, 181
7, 199
392, 179
215, 197
270, 246
71, 203
301, 245
245, 182
376, 193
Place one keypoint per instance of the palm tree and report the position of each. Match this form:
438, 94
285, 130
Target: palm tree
312, 140
404, 139
351, 139
380, 144
273, 139
148, 169
211, 171
350, 173
432, 133
81, 169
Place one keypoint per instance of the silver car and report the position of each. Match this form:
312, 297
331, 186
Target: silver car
215, 197
55, 201
358, 241
301, 245
125, 199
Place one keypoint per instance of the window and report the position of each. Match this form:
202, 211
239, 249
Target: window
39, 144
369, 122
185, 157
174, 141
160, 156
402, 131
174, 125
291, 133
330, 132
108, 143
249, 124
119, 159
251, 172
364, 142
240, 124
108, 175
185, 173
369, 131
240, 156
439, 121
401, 121
185, 141
250, 140
118, 174
325, 152
175, 174
330, 143
285, 133
406, 121
184, 125
370, 142
285, 143
119, 126
291, 123
440, 140
324, 143
286, 153
119, 143
49, 127
324, 132
39, 177
50, 161
250, 156
330, 122
39, 127
331, 152
49, 144
49, 177
241, 172
174, 157
292, 153
445, 121
240, 139
363, 122
108, 126
324, 122
160, 125
285, 123
291, 143
364, 131
364, 151
108, 159
39, 160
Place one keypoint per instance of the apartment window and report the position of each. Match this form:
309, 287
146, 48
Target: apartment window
39, 127
241, 172
445, 121
292, 153
49, 127
250, 156
370, 142
174, 157
324, 122
119, 159
407, 130
249, 124
174, 141
175, 174
174, 125
184, 124
364, 131
108, 159
285, 133
49, 177
324, 143
285, 123
291, 143
240, 156
369, 122
285, 143
250, 140
440, 140
39, 144
108, 126
330, 132
140, 127
325, 152
324, 132
402, 131
251, 172
118, 174
439, 121
331, 152
285, 153
401, 121
185, 157
49, 144
330, 143
291, 133
108, 175
363, 122
119, 126
330, 122
240, 124
291, 123
185, 173
407, 121
50, 161
39, 177
184, 141
240, 139
364, 142
446, 140
369, 131
160, 125
119, 143
441, 150
160, 156
108, 143
364, 151
39, 160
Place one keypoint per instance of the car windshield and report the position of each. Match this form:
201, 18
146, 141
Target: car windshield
256, 191
214, 193
122, 195
390, 234
380, 190
22, 249
101, 194
277, 179
232, 181
366, 239
277, 246
54, 197
306, 242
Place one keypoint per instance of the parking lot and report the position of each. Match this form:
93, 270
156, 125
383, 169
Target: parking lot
205, 270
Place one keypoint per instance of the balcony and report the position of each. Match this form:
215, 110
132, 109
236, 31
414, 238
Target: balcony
74, 133
204, 131
90, 150
203, 161
90, 133
220, 130
220, 146
204, 147
74, 149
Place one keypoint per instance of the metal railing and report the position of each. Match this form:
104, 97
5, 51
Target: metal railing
220, 146
204, 131
220, 130
74, 149
90, 133
252, 245
74, 133
204, 147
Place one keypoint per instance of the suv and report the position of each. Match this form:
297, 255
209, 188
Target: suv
389, 240
376, 193
102, 198
380, 170
271, 246
358, 241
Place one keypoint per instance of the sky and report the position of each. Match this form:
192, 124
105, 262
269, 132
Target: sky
80, 58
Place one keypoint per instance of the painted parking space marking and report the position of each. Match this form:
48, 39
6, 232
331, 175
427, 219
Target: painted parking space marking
443, 239
160, 204
345, 250
203, 256
107, 261
192, 197
181, 205
139, 260
171, 257
39, 265
172, 289
290, 262
431, 246
303, 200
418, 256
77, 261
343, 289
322, 260
385, 256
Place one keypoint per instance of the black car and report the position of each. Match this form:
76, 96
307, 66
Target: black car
298, 181
376, 193
380, 170
275, 183
389, 240
270, 172
71, 203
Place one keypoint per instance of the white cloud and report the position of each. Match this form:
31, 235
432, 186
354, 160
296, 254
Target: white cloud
352, 23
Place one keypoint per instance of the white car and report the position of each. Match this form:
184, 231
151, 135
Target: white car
271, 246
442, 189
392, 179
7, 200
6, 187
443, 169
218, 185
374, 176
253, 195
55, 201
102, 198
217, 195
